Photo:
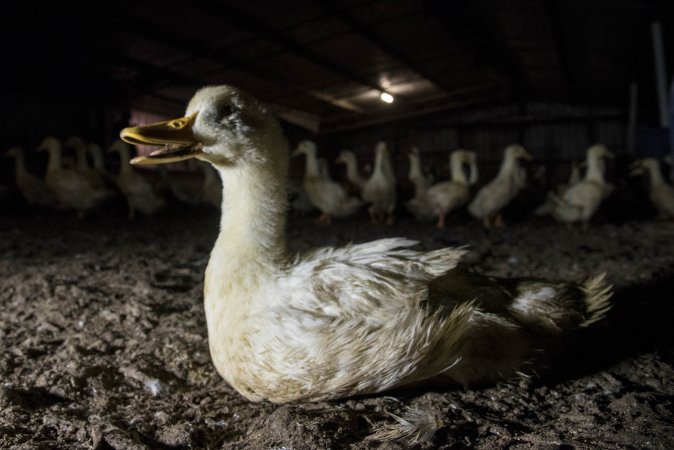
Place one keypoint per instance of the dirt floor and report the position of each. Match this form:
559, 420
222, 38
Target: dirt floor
103, 344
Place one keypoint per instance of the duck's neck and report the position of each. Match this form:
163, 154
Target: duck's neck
252, 227
508, 167
655, 175
352, 173
458, 175
311, 169
124, 166
54, 164
382, 165
415, 168
82, 159
416, 176
595, 169
98, 159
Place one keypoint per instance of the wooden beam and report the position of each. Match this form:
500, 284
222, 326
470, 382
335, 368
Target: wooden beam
478, 33
242, 20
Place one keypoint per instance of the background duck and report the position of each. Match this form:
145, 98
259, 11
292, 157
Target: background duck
339, 322
138, 191
380, 189
660, 193
72, 189
580, 201
549, 203
416, 176
348, 158
31, 187
93, 176
496, 195
443, 198
328, 196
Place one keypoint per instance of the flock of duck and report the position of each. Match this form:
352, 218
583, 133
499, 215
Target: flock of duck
83, 187
573, 202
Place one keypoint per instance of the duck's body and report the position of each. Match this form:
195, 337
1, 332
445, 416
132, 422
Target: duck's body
328, 196
549, 203
497, 194
660, 193
445, 197
581, 201
380, 189
92, 174
33, 188
348, 158
71, 188
348, 321
138, 191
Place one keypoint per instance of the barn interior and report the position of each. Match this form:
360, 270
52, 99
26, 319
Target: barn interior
105, 343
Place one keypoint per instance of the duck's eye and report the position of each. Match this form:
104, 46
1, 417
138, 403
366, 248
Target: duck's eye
226, 112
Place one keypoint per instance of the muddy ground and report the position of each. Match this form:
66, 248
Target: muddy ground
103, 343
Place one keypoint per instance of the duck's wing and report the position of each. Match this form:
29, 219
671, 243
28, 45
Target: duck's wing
362, 316
370, 278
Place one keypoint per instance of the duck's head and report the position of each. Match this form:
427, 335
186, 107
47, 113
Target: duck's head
640, 166
76, 142
381, 148
222, 125
599, 151
94, 149
516, 151
413, 155
50, 144
119, 146
668, 159
345, 156
305, 147
13, 152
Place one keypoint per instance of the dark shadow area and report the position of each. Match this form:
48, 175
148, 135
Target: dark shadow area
639, 322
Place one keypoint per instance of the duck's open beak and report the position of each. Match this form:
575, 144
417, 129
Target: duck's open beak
526, 155
175, 135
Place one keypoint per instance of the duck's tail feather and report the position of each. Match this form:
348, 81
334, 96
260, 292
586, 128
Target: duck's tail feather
597, 298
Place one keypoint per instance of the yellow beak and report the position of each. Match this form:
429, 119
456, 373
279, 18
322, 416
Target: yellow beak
176, 135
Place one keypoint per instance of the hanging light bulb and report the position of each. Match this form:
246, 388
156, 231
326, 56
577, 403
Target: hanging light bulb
386, 97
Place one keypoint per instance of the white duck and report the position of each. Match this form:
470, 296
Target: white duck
343, 321
496, 195
348, 158
416, 175
93, 176
72, 189
661, 193
328, 196
443, 198
580, 201
380, 189
138, 191
548, 205
33, 188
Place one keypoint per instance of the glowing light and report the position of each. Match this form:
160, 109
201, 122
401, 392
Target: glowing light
386, 97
